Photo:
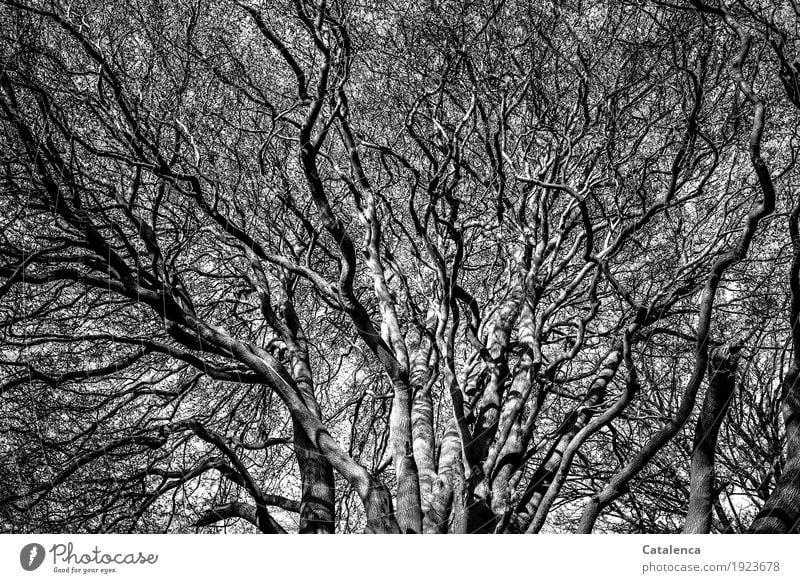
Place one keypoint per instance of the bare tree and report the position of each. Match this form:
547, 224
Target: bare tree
316, 267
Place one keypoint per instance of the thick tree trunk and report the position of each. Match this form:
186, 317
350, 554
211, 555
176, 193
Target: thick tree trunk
722, 380
478, 498
317, 486
408, 513
489, 408
460, 523
781, 512
436, 520
505, 454
317, 494
422, 375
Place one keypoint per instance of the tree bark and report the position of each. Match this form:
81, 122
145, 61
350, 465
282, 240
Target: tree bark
721, 384
781, 512
436, 520
577, 420
422, 375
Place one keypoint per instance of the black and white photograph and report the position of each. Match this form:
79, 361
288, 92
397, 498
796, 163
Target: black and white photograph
398, 267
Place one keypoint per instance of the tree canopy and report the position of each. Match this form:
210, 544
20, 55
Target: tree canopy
448, 266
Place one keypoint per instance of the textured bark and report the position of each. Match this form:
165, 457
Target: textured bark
781, 512
462, 515
505, 454
436, 520
577, 420
316, 473
597, 423
376, 499
317, 497
489, 407
317, 486
423, 443
422, 432
721, 384
408, 513
409, 509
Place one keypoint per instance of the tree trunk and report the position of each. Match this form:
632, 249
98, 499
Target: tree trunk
317, 486
577, 420
422, 428
781, 512
436, 520
722, 381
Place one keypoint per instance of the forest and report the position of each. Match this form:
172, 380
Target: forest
446, 266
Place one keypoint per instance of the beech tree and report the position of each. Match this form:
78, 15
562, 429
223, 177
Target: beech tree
438, 267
